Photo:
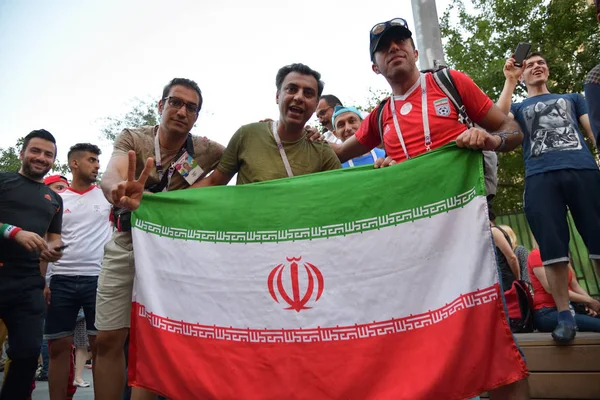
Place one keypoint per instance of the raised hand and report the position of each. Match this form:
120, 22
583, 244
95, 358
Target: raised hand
511, 71
128, 194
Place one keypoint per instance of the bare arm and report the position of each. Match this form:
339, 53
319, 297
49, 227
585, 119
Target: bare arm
512, 73
504, 246
349, 149
584, 120
217, 178
116, 172
495, 121
43, 268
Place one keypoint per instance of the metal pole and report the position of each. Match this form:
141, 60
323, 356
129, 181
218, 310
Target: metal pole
427, 32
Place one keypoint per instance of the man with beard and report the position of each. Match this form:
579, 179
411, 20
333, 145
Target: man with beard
264, 151
152, 154
325, 107
86, 229
29, 211
419, 117
346, 121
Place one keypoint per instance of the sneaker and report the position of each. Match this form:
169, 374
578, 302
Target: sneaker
41, 377
82, 384
564, 333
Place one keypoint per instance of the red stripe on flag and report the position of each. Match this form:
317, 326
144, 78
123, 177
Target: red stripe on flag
459, 357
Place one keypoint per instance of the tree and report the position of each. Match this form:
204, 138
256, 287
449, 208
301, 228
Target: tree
486, 32
375, 97
9, 160
143, 112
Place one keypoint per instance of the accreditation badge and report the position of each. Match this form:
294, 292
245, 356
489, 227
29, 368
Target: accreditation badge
188, 168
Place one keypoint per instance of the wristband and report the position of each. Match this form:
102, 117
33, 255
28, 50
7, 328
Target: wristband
502, 141
9, 231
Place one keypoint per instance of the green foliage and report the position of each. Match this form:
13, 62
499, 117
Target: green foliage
375, 97
486, 32
9, 160
143, 112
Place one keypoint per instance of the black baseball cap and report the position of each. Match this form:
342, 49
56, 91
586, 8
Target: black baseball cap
399, 25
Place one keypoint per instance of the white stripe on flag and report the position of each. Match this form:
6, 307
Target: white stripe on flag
373, 276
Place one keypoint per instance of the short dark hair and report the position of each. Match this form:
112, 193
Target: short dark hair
81, 147
183, 82
331, 100
41, 134
536, 54
301, 69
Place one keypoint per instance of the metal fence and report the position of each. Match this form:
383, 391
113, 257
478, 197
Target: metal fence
584, 267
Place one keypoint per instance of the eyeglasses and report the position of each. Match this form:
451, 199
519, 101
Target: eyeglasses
177, 103
382, 26
321, 113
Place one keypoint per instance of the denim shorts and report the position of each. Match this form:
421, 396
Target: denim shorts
547, 198
67, 295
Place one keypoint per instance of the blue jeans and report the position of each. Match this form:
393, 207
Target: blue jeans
546, 320
68, 294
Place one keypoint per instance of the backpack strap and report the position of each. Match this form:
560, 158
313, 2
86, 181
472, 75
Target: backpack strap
446, 83
380, 120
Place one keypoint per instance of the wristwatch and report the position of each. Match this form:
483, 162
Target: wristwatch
502, 141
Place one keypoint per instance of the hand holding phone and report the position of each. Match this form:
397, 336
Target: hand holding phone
521, 53
61, 248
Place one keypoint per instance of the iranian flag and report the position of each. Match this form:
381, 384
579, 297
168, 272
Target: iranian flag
350, 284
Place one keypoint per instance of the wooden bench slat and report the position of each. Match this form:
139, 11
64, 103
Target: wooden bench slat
582, 358
545, 339
556, 385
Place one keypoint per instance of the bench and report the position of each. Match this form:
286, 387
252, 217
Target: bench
562, 371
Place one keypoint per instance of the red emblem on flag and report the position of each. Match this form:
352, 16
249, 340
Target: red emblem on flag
296, 302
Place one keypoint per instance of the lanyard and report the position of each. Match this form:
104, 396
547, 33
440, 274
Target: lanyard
158, 162
351, 163
284, 158
426, 132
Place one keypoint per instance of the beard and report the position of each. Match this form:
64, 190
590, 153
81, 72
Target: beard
32, 174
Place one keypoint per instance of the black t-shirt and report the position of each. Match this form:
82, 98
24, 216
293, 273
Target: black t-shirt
33, 207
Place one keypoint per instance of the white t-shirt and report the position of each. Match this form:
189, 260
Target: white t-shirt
86, 228
331, 138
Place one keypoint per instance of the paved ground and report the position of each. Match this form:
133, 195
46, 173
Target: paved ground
41, 389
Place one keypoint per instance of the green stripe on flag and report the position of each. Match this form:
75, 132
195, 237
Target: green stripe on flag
319, 205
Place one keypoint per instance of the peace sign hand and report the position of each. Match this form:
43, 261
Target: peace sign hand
128, 194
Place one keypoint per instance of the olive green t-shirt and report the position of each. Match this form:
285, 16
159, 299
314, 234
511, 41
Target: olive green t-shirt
252, 153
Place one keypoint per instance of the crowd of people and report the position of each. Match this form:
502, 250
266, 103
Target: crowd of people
79, 234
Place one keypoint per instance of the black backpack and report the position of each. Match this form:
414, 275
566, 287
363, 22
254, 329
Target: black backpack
519, 305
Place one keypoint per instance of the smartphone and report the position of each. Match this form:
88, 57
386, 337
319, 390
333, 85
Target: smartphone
61, 248
521, 53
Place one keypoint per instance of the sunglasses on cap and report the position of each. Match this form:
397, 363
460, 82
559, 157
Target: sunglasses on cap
379, 28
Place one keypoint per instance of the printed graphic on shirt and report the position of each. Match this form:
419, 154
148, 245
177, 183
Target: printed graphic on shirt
442, 107
552, 127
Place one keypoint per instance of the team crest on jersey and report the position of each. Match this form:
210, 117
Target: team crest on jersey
442, 107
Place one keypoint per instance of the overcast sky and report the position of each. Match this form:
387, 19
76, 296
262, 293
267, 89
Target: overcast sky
65, 65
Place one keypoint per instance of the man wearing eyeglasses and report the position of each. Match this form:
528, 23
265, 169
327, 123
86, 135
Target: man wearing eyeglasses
155, 154
410, 129
325, 108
